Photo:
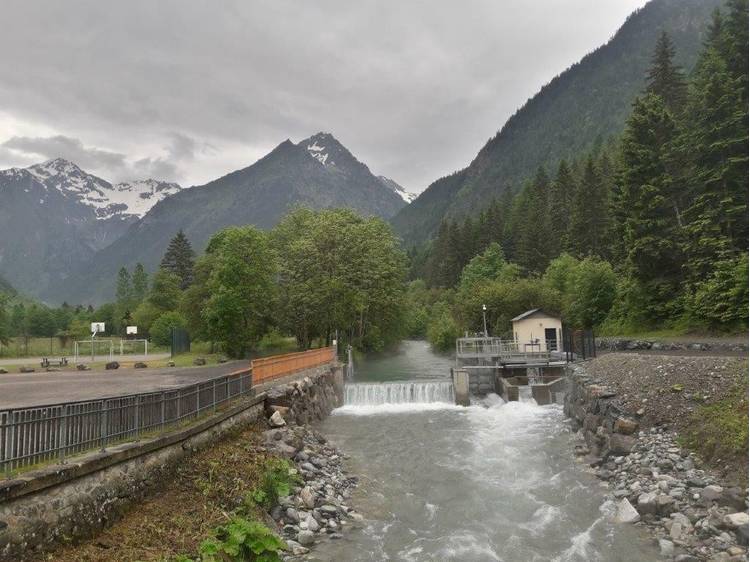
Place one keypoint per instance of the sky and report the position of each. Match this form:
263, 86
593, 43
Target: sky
189, 90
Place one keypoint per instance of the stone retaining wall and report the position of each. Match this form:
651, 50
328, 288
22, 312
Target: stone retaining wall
78, 499
607, 428
629, 344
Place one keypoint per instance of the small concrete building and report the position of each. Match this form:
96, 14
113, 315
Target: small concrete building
537, 330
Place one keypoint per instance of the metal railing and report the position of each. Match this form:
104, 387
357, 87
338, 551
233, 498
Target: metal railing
43, 433
269, 368
508, 351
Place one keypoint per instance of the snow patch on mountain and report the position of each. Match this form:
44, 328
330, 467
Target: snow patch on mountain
407, 196
127, 198
316, 151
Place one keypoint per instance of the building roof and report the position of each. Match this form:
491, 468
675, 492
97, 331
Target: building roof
531, 312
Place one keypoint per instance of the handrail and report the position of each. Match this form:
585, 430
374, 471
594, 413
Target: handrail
53, 431
277, 366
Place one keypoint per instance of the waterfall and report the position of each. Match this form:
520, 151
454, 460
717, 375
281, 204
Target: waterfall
406, 392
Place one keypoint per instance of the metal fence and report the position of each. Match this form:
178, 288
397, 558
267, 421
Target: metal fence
32, 435
268, 368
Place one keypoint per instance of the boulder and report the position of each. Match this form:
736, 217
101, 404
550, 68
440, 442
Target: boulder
305, 538
112, 365
620, 444
3, 371
312, 524
735, 520
308, 497
26, 370
222, 359
666, 548
664, 505
732, 497
170, 363
625, 426
647, 503
140, 365
711, 493
276, 420
199, 361
626, 513
83, 367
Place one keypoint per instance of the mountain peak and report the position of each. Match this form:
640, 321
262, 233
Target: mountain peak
54, 167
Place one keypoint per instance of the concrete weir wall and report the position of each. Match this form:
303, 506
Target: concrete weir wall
78, 499
607, 428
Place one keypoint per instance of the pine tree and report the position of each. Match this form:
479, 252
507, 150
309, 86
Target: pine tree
715, 143
124, 292
650, 229
561, 193
140, 283
589, 215
666, 79
179, 259
533, 231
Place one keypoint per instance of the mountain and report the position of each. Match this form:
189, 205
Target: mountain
54, 217
407, 196
318, 172
583, 106
125, 200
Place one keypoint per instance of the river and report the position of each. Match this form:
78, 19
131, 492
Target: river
439, 482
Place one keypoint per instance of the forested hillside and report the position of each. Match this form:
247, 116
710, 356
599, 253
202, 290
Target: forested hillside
578, 110
647, 231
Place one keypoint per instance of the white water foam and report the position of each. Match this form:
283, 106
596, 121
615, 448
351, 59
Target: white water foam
406, 392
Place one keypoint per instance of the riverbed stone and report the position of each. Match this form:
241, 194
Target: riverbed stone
666, 548
276, 420
621, 444
305, 538
711, 493
625, 426
734, 520
626, 513
308, 497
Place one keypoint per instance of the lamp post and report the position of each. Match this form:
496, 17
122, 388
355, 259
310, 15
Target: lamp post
484, 319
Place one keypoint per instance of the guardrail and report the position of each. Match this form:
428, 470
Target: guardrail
42, 433
269, 368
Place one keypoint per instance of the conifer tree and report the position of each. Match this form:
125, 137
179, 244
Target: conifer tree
124, 291
666, 79
650, 228
140, 283
561, 193
179, 259
589, 215
533, 231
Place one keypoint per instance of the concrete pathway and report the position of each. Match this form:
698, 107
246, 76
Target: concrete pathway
19, 390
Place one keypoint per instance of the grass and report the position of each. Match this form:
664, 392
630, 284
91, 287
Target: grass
202, 494
718, 433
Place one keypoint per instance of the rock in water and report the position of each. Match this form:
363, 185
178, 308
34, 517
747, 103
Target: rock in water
277, 420
305, 538
626, 513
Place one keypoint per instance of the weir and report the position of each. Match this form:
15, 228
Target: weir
406, 392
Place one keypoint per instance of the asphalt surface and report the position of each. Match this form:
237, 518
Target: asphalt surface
19, 390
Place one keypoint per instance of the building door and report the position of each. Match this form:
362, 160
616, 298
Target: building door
550, 336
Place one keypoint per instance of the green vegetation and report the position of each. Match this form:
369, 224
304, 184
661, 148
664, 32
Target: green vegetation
278, 478
242, 540
719, 432
655, 221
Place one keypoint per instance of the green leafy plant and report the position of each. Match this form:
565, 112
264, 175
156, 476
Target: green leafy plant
242, 540
279, 477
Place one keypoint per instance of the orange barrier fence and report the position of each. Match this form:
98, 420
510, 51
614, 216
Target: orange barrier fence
269, 368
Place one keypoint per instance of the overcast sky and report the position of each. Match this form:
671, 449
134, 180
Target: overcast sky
189, 90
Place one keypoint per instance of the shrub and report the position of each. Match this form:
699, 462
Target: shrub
279, 477
240, 540
161, 329
442, 330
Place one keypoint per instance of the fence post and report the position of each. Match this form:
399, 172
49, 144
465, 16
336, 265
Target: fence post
197, 399
103, 426
63, 433
214, 394
163, 408
137, 418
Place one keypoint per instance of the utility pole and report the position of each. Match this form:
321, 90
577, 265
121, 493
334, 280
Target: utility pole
484, 318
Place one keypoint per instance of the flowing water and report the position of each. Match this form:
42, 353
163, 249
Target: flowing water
440, 482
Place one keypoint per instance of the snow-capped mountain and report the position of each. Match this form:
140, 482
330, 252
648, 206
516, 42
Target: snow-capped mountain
407, 196
107, 200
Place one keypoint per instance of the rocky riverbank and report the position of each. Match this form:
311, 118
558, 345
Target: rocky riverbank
688, 510
318, 509
693, 512
731, 345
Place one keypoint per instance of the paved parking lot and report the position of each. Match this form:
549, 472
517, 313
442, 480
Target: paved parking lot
19, 390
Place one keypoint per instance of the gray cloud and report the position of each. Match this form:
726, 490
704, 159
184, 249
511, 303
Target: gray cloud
65, 147
412, 88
